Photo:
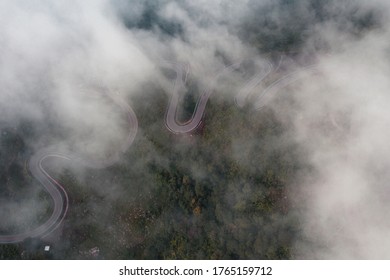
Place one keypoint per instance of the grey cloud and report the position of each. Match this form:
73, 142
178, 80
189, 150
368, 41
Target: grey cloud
57, 59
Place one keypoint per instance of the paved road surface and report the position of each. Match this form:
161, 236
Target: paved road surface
55, 189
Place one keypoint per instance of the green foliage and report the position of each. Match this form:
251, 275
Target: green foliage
10, 252
220, 193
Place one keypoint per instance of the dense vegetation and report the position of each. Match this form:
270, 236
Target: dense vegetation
288, 25
220, 193
223, 192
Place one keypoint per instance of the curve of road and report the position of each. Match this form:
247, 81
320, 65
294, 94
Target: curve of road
57, 191
182, 70
178, 89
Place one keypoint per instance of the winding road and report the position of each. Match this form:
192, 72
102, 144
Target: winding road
57, 191
178, 90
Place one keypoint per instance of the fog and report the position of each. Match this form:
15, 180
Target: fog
60, 61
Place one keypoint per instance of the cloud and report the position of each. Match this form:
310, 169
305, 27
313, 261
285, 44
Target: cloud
59, 60
342, 123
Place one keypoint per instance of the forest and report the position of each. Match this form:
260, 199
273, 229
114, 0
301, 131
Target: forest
229, 190
219, 193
